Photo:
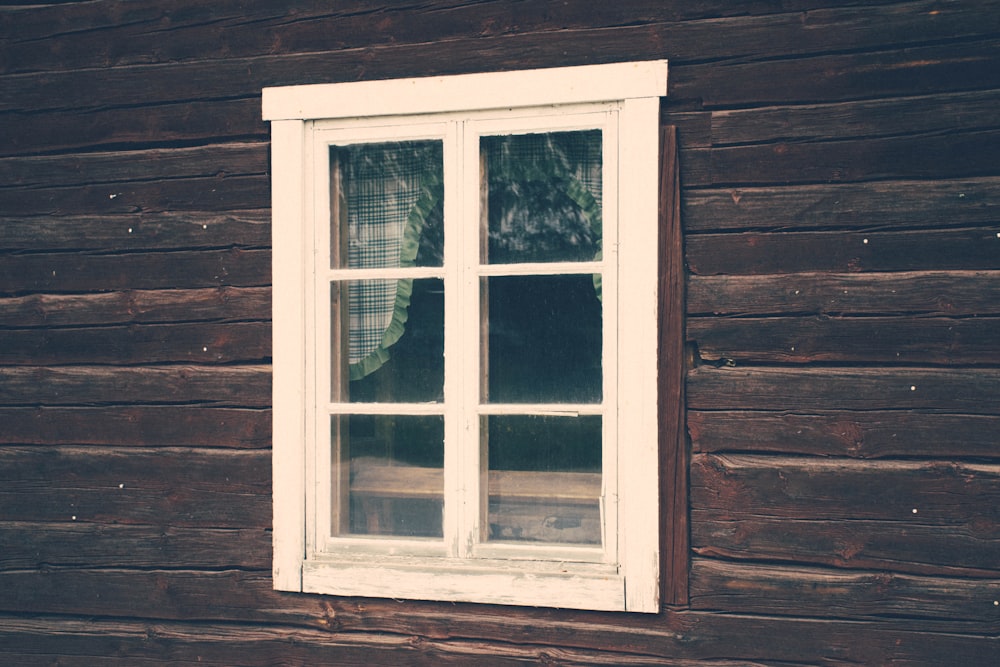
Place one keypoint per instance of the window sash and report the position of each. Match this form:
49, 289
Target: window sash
465, 491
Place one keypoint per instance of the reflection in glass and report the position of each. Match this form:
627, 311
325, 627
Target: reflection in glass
544, 340
389, 469
543, 195
386, 205
545, 478
388, 349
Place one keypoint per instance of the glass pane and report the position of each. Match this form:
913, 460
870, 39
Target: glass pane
389, 475
387, 340
543, 194
544, 478
544, 339
386, 204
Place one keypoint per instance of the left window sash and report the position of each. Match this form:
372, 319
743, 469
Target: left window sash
373, 190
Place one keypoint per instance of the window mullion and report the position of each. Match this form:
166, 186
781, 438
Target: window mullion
471, 470
458, 519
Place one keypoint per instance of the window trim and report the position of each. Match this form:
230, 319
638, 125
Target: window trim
632, 584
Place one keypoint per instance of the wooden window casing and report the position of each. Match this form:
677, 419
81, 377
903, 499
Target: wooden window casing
624, 572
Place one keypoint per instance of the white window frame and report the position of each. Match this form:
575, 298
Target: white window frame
622, 100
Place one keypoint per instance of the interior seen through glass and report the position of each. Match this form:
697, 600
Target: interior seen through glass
540, 338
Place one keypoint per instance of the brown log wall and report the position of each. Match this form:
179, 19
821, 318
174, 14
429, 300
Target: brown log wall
840, 205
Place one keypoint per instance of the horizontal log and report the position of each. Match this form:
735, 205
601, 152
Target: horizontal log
139, 231
958, 390
855, 545
223, 304
950, 113
110, 168
771, 252
202, 343
212, 193
919, 517
189, 122
230, 595
938, 68
872, 206
920, 493
137, 426
869, 435
864, 340
954, 155
153, 487
88, 272
25, 546
673, 637
203, 644
208, 386
954, 293
777, 590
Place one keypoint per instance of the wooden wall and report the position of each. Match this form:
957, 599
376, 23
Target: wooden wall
840, 173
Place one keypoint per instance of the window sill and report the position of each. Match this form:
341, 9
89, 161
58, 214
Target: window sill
494, 581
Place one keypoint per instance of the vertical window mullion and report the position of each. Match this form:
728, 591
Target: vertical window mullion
472, 470
459, 514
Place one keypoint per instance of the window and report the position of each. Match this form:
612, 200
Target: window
465, 337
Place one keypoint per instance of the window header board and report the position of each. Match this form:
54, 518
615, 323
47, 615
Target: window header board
468, 92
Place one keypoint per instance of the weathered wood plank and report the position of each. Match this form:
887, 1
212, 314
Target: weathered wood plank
958, 390
771, 589
953, 293
201, 343
156, 487
771, 252
26, 545
192, 121
223, 304
952, 155
110, 168
920, 493
227, 386
137, 426
212, 193
949, 113
857, 544
222, 646
138, 231
938, 68
869, 435
673, 637
88, 272
871, 206
862, 340
918, 517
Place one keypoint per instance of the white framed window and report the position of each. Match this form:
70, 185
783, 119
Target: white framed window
465, 337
